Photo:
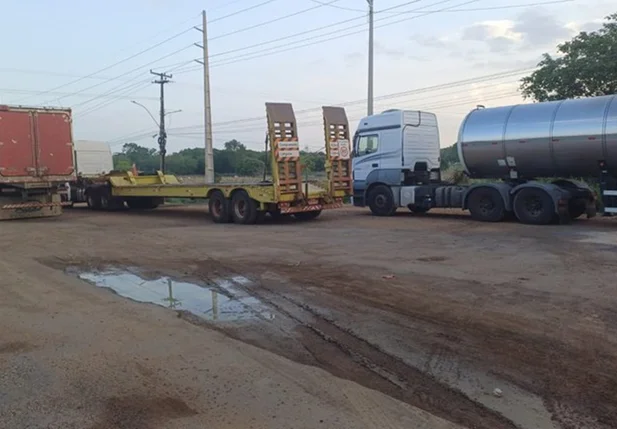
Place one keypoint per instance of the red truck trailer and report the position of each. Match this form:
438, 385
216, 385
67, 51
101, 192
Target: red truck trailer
36, 159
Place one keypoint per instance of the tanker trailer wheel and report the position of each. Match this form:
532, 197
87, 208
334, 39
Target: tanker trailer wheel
381, 201
486, 205
534, 206
243, 208
218, 206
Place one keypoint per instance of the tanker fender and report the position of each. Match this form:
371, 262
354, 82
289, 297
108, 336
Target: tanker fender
556, 192
504, 190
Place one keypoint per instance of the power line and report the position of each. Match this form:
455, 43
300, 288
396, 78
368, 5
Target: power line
448, 85
514, 6
323, 27
261, 24
242, 11
28, 92
127, 73
454, 10
338, 7
135, 87
270, 51
118, 62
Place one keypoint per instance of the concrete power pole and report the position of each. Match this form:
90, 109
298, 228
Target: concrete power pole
207, 106
369, 106
162, 80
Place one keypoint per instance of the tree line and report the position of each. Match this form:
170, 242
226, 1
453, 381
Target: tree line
234, 159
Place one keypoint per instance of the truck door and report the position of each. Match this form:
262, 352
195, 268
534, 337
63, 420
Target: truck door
366, 157
55, 144
17, 149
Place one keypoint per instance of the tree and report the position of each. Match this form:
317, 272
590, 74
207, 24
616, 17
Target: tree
234, 146
586, 67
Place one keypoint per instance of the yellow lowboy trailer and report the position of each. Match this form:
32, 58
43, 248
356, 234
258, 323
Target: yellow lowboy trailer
246, 203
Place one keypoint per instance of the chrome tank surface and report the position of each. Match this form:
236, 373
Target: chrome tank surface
558, 138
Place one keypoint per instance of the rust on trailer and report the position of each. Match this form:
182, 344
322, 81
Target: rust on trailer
338, 150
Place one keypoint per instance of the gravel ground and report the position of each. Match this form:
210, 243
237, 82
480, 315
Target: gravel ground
431, 321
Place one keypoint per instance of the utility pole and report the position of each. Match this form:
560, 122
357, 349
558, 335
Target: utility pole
369, 106
162, 80
207, 106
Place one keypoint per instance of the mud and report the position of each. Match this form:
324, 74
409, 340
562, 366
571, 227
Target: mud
435, 311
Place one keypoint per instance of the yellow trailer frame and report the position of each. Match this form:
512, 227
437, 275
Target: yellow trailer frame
286, 194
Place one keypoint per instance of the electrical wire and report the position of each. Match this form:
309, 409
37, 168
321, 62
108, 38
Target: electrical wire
261, 24
241, 11
140, 68
323, 27
515, 6
156, 45
268, 51
246, 121
135, 87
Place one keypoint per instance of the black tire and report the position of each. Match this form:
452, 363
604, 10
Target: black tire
381, 201
93, 200
218, 206
534, 206
418, 210
306, 216
486, 205
577, 208
243, 208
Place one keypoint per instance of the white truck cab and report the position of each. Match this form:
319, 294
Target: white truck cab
394, 152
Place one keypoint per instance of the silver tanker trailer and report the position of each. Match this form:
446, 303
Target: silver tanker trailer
513, 149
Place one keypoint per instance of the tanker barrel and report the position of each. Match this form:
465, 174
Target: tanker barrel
567, 138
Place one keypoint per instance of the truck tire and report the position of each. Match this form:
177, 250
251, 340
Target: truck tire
486, 205
93, 200
243, 208
381, 201
306, 216
534, 206
218, 206
577, 207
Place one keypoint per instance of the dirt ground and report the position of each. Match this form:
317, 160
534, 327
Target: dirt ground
431, 321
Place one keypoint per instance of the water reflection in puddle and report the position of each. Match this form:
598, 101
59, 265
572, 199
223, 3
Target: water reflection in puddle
203, 301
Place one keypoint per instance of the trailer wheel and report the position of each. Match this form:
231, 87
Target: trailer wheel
218, 206
534, 206
486, 205
306, 216
381, 201
243, 208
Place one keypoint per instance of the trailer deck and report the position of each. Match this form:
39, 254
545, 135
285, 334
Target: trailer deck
286, 193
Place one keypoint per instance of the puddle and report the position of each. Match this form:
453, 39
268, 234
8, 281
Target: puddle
204, 301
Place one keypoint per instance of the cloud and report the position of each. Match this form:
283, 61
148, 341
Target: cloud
532, 29
353, 59
385, 50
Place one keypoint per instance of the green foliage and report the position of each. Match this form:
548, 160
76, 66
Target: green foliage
586, 67
449, 157
234, 159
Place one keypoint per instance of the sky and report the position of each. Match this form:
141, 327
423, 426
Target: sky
442, 56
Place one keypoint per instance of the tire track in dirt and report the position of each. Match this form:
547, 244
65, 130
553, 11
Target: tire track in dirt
347, 355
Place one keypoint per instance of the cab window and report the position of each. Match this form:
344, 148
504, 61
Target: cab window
367, 144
